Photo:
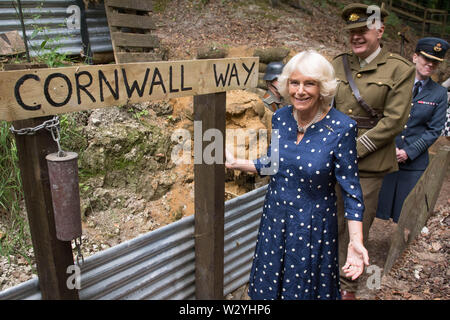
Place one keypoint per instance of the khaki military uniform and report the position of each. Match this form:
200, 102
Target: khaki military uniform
386, 85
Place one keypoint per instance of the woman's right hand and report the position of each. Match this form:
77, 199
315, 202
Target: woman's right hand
229, 159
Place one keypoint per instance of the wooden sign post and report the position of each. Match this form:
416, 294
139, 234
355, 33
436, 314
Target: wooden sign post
26, 94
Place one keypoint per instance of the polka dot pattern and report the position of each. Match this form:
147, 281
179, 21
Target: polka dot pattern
296, 250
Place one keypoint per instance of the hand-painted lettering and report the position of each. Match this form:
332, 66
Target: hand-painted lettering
83, 87
160, 82
102, 78
249, 71
183, 88
47, 89
135, 85
234, 73
17, 95
171, 89
221, 78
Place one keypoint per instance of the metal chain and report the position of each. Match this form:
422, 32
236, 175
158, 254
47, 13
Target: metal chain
49, 124
52, 125
79, 254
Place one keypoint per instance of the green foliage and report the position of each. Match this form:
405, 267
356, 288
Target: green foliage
48, 50
72, 137
16, 237
160, 5
393, 20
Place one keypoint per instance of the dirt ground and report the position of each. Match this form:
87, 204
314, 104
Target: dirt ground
421, 272
184, 27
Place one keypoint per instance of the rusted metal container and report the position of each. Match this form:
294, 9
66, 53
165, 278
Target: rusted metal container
63, 175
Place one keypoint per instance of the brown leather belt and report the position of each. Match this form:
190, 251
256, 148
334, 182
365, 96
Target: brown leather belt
362, 122
365, 122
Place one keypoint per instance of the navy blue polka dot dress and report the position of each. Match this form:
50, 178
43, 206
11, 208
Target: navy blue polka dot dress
296, 255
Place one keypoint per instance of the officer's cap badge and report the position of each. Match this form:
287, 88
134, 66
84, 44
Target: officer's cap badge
437, 47
353, 17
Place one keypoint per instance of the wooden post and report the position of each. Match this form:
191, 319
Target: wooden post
418, 206
444, 27
209, 202
424, 22
85, 41
52, 255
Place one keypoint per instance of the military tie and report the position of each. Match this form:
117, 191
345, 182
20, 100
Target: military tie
417, 86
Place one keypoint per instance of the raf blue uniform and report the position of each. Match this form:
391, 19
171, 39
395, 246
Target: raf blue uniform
424, 126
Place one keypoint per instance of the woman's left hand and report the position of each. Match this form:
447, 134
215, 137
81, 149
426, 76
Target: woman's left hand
402, 156
357, 257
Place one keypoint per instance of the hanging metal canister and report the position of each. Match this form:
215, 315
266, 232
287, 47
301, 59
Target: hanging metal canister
63, 175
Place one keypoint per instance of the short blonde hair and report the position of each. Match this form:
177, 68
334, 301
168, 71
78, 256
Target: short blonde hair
311, 64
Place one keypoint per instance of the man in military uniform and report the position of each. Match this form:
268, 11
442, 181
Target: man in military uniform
272, 98
424, 126
376, 92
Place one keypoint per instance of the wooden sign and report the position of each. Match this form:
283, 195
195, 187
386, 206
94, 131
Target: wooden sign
35, 93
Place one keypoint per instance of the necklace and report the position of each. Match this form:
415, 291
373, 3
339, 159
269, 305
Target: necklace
302, 129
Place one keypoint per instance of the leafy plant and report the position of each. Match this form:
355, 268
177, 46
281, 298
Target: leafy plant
48, 50
16, 238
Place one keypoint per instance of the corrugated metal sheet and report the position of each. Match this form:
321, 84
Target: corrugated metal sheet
161, 263
50, 18
99, 36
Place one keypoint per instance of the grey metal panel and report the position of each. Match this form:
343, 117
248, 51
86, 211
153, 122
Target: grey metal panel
161, 264
99, 36
50, 17
28, 290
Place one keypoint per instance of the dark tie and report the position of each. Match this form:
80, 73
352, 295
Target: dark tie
417, 86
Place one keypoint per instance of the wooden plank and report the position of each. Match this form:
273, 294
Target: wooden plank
438, 23
24, 66
141, 5
131, 21
418, 206
41, 92
122, 39
407, 14
412, 4
109, 11
437, 11
209, 200
128, 57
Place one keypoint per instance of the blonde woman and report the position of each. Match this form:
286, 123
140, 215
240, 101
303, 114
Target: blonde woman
296, 255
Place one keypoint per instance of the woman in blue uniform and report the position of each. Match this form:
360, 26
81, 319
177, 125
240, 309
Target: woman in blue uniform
313, 146
425, 124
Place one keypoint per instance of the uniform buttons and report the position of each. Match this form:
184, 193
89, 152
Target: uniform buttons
380, 83
412, 104
350, 110
403, 137
406, 126
359, 75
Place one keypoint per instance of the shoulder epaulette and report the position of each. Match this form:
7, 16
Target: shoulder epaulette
342, 53
399, 57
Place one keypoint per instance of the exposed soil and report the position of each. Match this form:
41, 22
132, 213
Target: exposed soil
240, 27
